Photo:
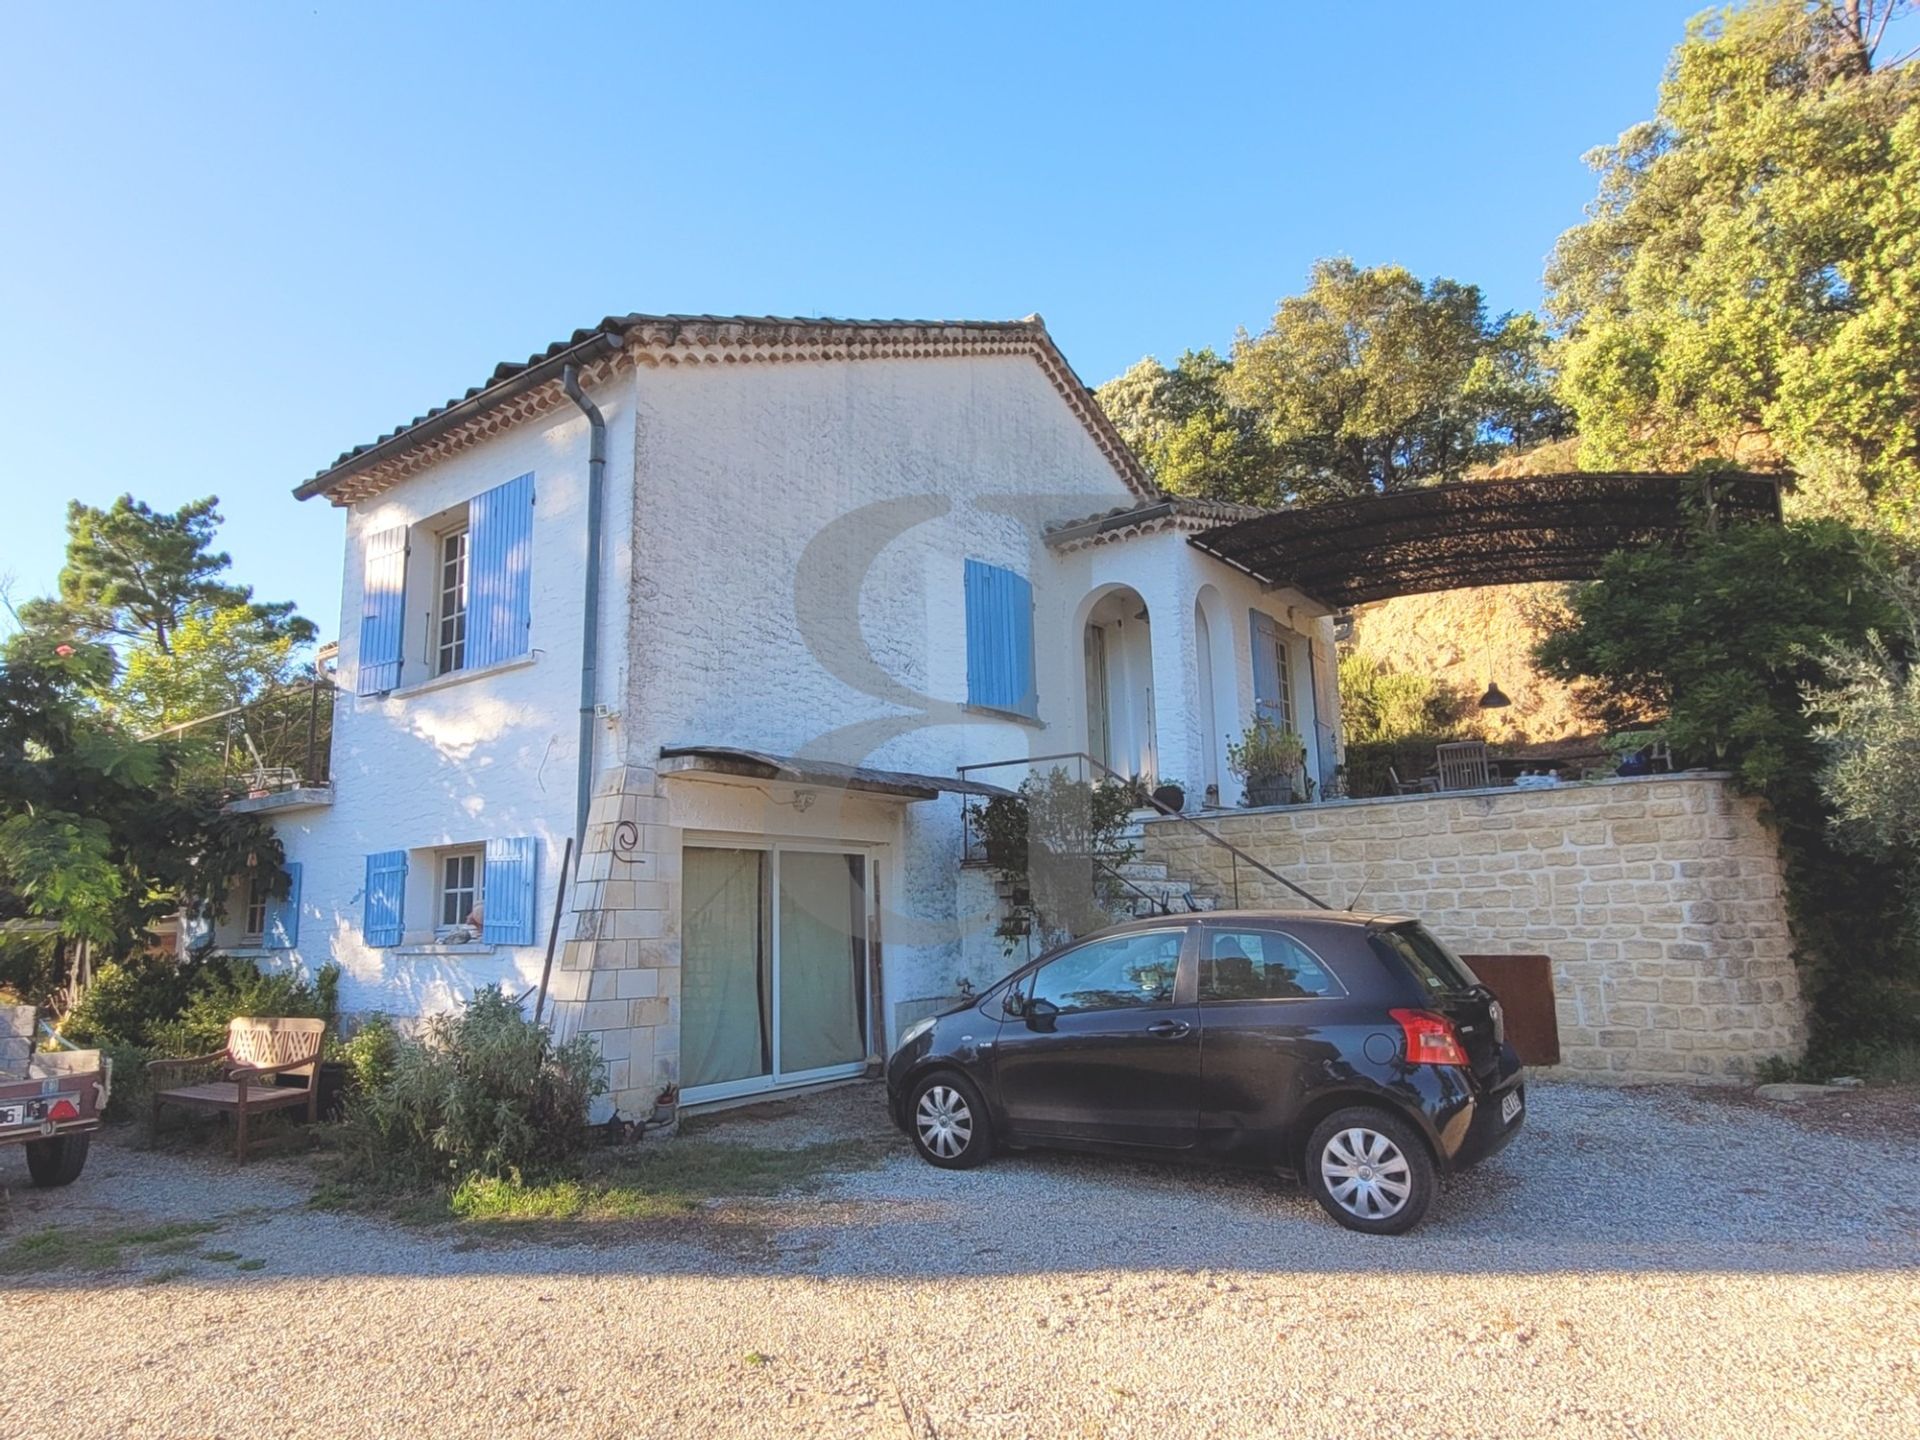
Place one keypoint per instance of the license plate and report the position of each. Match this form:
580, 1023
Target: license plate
1510, 1108
22, 1114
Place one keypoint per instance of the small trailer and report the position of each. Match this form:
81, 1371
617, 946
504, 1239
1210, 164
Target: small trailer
50, 1101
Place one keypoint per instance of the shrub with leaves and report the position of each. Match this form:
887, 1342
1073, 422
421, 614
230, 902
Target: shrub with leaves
483, 1091
1057, 845
227, 988
371, 1053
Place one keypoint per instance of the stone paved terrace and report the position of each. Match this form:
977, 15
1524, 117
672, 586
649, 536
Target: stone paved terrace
1658, 898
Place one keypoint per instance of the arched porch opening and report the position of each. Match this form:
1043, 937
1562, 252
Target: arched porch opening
1117, 647
1215, 695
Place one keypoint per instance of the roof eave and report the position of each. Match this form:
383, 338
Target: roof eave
414, 436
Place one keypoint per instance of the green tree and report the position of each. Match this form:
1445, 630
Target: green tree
134, 574
1185, 430
216, 659
100, 832
142, 589
1747, 284
1370, 381
1723, 637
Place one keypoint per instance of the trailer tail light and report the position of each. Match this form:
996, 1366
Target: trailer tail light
63, 1109
1431, 1039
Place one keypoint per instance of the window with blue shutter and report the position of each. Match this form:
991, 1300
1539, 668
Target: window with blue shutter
1000, 640
500, 573
282, 928
512, 878
386, 894
382, 609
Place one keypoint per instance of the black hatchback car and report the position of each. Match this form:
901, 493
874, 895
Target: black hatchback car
1355, 1051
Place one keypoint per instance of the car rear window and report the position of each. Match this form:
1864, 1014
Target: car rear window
1259, 965
1432, 963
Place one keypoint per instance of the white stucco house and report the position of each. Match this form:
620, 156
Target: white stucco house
727, 603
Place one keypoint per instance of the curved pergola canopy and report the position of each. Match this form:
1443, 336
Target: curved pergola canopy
1480, 532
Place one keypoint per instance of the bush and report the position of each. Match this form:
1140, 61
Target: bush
128, 999
483, 1092
131, 1089
226, 988
32, 969
371, 1054
1379, 704
1056, 844
1369, 762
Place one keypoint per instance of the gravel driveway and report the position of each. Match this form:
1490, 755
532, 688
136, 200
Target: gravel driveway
1641, 1263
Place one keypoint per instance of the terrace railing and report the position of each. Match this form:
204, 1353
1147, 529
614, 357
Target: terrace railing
282, 741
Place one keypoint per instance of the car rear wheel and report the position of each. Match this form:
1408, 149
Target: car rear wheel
1370, 1171
57, 1160
949, 1123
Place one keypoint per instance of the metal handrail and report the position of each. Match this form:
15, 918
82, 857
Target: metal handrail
1110, 773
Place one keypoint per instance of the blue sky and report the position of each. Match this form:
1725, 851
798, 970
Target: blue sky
238, 239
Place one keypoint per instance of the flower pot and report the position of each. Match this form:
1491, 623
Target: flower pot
1170, 797
1270, 790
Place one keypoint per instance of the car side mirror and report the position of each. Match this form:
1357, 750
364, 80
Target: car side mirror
1041, 1014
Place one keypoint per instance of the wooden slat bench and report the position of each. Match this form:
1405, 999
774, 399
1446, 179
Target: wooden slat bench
259, 1049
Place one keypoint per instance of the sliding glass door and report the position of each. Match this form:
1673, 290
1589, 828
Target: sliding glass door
774, 967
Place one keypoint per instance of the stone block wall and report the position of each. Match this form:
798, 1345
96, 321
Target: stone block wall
1659, 900
619, 971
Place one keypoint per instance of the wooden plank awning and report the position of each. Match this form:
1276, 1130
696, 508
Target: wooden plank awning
1481, 532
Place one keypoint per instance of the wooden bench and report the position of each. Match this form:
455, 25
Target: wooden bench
259, 1049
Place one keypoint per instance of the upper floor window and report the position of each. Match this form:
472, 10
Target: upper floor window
450, 610
1000, 640
469, 601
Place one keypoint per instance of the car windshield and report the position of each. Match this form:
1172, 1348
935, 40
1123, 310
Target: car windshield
1437, 967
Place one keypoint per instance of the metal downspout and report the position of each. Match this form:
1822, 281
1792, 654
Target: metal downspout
590, 625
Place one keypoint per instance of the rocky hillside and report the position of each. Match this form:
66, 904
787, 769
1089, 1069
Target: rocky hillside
1468, 637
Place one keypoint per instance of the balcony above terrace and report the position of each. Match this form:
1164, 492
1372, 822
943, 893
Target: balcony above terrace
271, 755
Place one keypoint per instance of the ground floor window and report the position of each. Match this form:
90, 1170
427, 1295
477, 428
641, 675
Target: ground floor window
774, 957
255, 924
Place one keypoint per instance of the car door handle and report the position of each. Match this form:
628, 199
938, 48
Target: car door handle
1169, 1029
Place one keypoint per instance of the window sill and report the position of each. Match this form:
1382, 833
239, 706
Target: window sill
1013, 716
459, 677
476, 947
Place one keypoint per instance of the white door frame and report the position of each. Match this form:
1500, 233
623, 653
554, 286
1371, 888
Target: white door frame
773, 848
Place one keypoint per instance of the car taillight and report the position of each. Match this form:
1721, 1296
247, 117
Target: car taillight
1431, 1038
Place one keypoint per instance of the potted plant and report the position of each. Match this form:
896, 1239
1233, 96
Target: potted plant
1268, 756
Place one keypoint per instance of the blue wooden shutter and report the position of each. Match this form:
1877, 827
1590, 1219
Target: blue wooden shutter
1270, 668
1000, 639
507, 904
381, 916
500, 573
382, 608
283, 915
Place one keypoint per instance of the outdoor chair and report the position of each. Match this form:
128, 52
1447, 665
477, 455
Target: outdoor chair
1424, 785
1463, 765
259, 1050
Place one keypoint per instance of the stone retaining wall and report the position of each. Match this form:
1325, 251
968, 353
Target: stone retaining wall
1659, 900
